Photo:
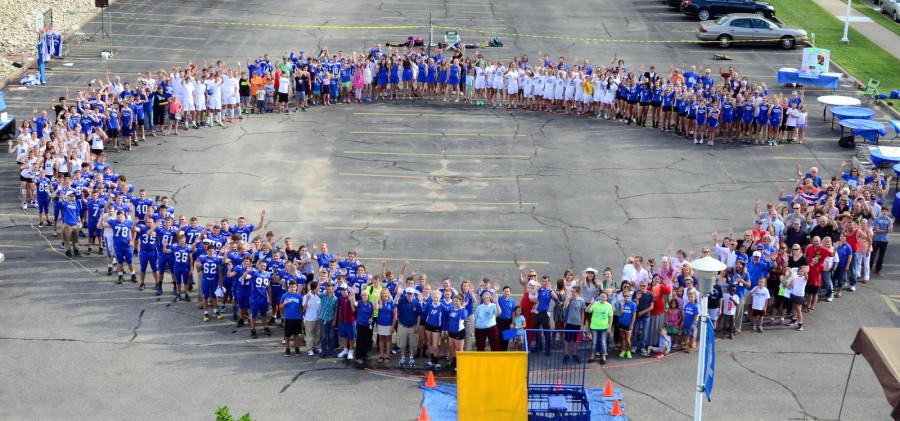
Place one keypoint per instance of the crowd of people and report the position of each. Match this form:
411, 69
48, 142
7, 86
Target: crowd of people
819, 240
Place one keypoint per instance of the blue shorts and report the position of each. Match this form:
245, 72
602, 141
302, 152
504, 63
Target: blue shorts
208, 286
243, 299
181, 276
148, 258
166, 260
258, 308
93, 230
347, 331
277, 292
124, 254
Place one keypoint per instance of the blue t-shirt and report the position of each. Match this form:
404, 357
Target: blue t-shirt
507, 306
408, 311
628, 310
456, 319
364, 311
485, 316
259, 285
385, 314
71, 212
882, 223
690, 311
434, 313
544, 297
291, 302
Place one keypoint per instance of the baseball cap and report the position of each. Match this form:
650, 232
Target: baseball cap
592, 270
410, 290
757, 254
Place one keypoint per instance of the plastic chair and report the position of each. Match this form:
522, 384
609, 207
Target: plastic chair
871, 90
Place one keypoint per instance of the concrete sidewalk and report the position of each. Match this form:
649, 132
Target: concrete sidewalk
872, 30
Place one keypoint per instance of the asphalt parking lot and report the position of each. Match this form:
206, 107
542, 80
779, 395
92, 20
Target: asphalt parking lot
458, 191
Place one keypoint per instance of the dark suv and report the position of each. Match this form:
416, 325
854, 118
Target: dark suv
707, 9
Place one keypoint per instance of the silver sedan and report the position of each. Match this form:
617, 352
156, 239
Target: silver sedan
750, 29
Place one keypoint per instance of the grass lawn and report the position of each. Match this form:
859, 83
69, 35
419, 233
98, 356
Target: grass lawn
861, 58
884, 20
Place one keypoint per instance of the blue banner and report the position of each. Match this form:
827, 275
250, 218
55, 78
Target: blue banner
709, 359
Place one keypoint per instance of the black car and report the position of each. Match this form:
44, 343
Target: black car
707, 9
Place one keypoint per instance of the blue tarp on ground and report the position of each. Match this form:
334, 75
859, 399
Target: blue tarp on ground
441, 403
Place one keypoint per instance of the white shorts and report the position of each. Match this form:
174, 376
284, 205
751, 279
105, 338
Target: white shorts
228, 99
214, 104
479, 82
189, 106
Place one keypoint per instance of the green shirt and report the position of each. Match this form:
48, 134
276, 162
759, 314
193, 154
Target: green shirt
601, 312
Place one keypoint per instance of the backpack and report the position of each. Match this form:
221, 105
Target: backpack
847, 142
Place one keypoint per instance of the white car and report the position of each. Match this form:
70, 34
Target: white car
747, 28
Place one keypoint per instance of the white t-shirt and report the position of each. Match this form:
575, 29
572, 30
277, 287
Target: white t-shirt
730, 303
760, 295
792, 115
799, 287
284, 84
311, 301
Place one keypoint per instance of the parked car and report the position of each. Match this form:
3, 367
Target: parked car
749, 28
706, 9
891, 8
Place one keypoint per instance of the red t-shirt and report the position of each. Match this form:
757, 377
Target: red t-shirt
852, 241
816, 269
659, 306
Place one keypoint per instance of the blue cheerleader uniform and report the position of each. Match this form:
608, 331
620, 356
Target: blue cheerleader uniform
763, 116
701, 115
407, 73
454, 75
382, 76
713, 120
775, 117
727, 112
395, 75
747, 115
442, 76
431, 78
423, 72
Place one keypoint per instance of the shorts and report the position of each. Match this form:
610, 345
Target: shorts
208, 287
812, 289
673, 330
345, 85
260, 104
259, 308
166, 261
571, 336
406, 336
796, 300
124, 254
152, 259
790, 128
667, 108
25, 179
461, 335
140, 123
181, 276
292, 327
431, 328
111, 133
655, 104
282, 97
801, 126
688, 331
347, 331
300, 96
645, 104
757, 313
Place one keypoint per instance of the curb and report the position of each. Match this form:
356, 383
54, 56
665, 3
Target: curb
26, 65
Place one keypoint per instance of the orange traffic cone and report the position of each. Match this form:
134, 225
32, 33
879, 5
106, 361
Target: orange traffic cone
616, 409
423, 415
608, 390
429, 381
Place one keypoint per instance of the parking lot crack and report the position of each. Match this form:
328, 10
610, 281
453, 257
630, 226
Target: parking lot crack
302, 372
137, 326
654, 398
806, 414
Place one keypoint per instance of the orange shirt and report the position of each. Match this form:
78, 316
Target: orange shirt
257, 83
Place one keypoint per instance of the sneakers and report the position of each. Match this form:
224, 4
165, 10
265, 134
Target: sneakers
267, 331
628, 354
240, 323
205, 317
438, 367
68, 253
429, 365
830, 298
133, 279
395, 350
141, 287
350, 355
402, 362
853, 288
343, 353
187, 298
800, 327
253, 334
120, 280
158, 290
219, 316
411, 363
759, 329
287, 352
109, 271
622, 354
77, 253
311, 353
177, 299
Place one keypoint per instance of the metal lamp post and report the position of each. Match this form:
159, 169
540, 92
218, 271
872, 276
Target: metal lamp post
846, 40
706, 269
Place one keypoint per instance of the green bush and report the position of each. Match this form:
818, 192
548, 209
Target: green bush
223, 413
